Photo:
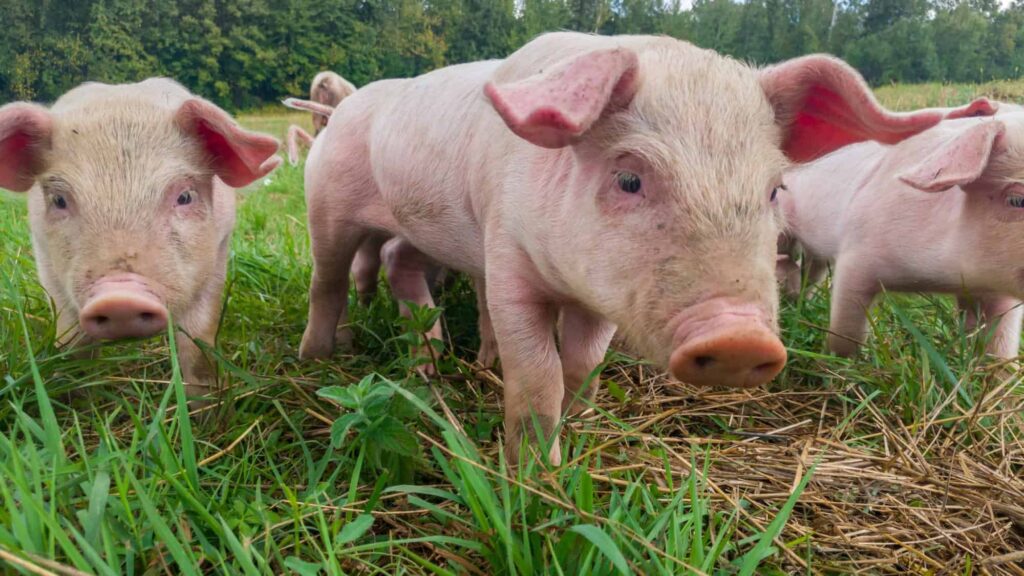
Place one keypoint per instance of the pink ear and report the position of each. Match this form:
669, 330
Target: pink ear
238, 156
823, 104
959, 161
979, 107
25, 132
555, 107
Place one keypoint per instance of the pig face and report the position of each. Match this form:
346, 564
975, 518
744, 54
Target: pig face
152, 219
977, 174
129, 212
676, 155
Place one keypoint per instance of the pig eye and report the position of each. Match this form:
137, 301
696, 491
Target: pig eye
775, 192
59, 201
185, 198
628, 182
1015, 201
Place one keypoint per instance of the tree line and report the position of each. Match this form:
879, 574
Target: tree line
246, 53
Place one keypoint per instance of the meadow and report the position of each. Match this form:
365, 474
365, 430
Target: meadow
907, 460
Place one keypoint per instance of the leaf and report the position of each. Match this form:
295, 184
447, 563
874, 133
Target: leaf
763, 549
301, 567
97, 507
392, 436
355, 529
600, 539
342, 425
341, 394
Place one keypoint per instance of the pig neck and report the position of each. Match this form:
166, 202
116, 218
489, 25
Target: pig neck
917, 241
539, 208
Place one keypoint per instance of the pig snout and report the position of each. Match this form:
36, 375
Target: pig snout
122, 306
722, 343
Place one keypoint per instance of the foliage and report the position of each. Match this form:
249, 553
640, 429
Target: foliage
252, 52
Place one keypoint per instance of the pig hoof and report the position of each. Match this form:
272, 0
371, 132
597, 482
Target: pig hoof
343, 339
487, 356
366, 298
312, 349
428, 368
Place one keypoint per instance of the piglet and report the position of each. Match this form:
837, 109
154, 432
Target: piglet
938, 212
585, 182
131, 205
327, 91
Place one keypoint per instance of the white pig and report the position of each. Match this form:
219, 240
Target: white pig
599, 181
131, 205
935, 213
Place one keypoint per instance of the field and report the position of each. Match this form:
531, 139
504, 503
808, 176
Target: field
908, 460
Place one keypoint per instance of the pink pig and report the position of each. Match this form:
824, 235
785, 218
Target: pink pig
585, 183
935, 213
327, 91
131, 205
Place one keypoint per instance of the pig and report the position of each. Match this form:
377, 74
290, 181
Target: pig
586, 183
131, 205
934, 213
330, 89
326, 92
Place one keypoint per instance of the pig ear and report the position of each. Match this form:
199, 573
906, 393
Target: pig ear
25, 132
823, 104
959, 161
979, 107
555, 107
238, 156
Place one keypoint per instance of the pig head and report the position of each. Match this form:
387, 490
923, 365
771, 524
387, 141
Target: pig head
131, 207
328, 88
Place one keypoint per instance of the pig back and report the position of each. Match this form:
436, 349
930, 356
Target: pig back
820, 196
439, 155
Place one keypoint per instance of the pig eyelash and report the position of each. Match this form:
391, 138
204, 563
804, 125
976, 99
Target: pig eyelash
1015, 201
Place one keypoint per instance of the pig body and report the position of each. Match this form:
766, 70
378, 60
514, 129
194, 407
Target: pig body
936, 213
131, 210
584, 182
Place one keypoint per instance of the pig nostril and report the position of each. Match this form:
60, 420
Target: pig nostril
146, 316
101, 320
703, 361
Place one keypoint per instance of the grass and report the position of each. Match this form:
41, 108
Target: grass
908, 460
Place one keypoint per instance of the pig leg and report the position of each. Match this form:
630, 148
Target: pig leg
407, 270
366, 268
787, 273
295, 136
524, 325
487, 355
437, 278
584, 339
1004, 341
334, 247
852, 295
197, 369
969, 306
816, 269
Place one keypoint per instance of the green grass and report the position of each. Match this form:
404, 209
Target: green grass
352, 466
